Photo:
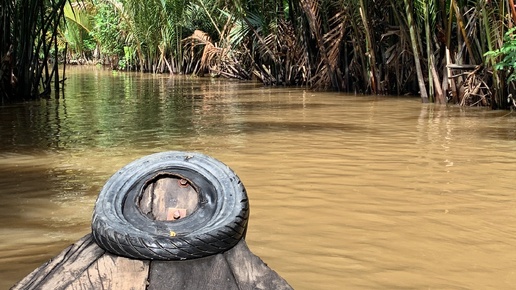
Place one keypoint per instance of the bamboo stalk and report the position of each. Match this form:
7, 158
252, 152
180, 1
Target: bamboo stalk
439, 92
429, 54
413, 39
513, 10
462, 28
373, 80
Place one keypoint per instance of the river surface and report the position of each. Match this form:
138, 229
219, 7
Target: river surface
346, 192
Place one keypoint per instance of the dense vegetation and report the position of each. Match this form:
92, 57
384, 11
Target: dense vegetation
459, 51
28, 41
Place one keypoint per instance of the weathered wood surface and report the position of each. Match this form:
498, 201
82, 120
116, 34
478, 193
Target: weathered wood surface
66, 267
86, 266
113, 272
211, 272
169, 198
250, 271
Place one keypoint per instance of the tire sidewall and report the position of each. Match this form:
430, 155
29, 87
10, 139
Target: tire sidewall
222, 203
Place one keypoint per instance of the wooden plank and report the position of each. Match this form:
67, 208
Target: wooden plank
63, 269
159, 198
251, 272
86, 266
166, 195
113, 272
212, 272
145, 202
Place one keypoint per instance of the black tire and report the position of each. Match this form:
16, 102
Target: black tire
218, 224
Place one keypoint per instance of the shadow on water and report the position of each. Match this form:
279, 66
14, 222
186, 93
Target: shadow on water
302, 127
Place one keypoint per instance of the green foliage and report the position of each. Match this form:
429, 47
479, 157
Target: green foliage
107, 29
505, 57
76, 28
129, 58
197, 17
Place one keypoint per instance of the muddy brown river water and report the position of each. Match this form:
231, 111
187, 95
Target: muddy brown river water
346, 192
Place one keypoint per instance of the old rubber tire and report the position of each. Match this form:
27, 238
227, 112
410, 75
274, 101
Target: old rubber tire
219, 222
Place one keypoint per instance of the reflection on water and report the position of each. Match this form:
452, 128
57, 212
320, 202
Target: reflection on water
366, 192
